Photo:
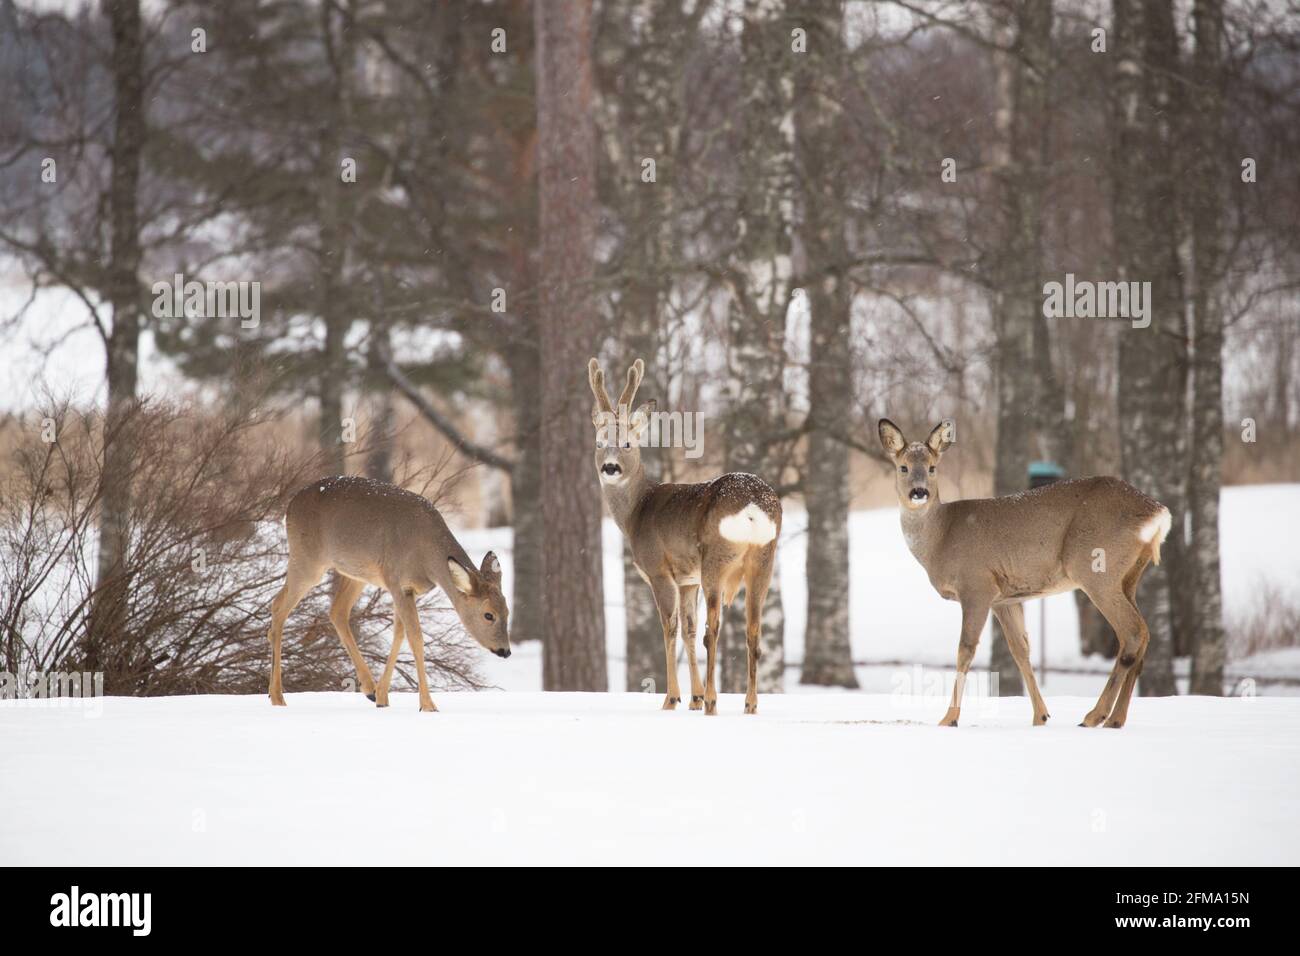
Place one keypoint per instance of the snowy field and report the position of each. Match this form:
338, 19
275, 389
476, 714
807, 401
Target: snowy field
500, 777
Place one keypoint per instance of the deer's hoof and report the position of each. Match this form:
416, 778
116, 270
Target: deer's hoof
670, 703
371, 696
751, 708
1114, 724
1040, 720
710, 708
697, 703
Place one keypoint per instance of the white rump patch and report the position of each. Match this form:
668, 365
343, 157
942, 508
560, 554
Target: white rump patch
749, 525
1157, 526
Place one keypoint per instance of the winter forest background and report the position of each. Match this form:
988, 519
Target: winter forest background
803, 216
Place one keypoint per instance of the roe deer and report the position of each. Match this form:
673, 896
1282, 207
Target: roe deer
716, 535
1094, 534
371, 532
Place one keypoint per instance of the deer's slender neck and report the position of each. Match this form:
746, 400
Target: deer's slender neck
623, 498
446, 546
921, 528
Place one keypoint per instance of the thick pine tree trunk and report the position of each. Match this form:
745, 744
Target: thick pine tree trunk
572, 589
828, 657
104, 638
1206, 623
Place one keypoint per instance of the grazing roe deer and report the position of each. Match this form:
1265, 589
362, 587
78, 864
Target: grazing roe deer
1094, 534
371, 532
714, 535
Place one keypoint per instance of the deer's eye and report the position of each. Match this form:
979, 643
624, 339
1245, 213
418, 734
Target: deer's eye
490, 616
627, 444
902, 469
600, 443
932, 469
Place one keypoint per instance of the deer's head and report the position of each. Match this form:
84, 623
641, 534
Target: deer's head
619, 431
480, 602
916, 464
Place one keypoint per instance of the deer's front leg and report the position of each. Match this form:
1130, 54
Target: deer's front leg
665, 592
974, 614
404, 604
1012, 619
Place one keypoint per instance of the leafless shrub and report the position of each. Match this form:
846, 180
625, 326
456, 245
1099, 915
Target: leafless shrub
207, 553
1270, 623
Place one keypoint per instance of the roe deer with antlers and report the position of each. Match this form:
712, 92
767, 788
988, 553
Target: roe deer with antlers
371, 532
716, 535
1094, 534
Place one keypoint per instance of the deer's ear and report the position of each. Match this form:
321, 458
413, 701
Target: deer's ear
941, 436
891, 436
460, 577
491, 567
641, 417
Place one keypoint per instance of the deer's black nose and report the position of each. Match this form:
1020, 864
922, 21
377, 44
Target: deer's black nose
502, 652
918, 494
610, 468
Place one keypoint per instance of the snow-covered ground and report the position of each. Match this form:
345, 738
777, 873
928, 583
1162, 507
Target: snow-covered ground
510, 777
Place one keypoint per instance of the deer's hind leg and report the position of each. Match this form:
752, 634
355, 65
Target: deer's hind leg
711, 574
688, 604
345, 598
1120, 712
1012, 619
1122, 615
298, 580
758, 578
381, 692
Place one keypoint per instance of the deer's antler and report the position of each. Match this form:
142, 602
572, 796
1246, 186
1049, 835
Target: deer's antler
597, 379
634, 375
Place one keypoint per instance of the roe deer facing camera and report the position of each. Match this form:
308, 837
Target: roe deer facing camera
714, 535
371, 532
1094, 534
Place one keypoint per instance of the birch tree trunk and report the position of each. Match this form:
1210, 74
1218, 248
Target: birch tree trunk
650, 103
1153, 360
1207, 638
827, 657
523, 358
573, 616
526, 606
1022, 384
758, 306
334, 239
103, 633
